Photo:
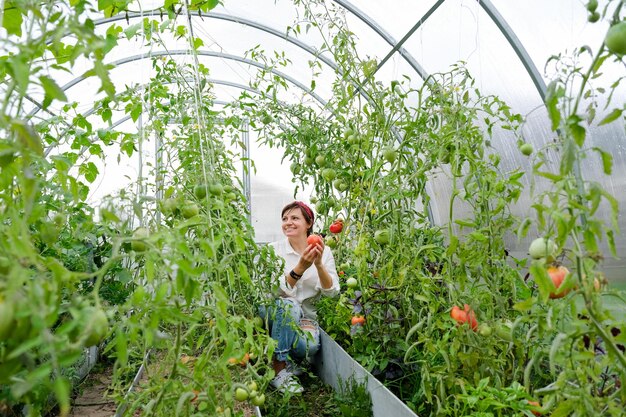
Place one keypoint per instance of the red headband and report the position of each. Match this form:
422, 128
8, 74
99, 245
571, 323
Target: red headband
307, 209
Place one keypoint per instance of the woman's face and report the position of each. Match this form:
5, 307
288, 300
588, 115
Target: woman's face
294, 223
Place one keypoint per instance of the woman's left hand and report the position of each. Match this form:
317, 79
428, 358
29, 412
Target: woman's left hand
318, 250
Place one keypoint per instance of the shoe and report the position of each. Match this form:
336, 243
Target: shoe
285, 381
294, 368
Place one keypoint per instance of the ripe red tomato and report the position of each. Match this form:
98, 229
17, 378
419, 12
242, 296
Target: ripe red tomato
534, 406
458, 315
471, 317
358, 320
315, 240
464, 316
336, 227
557, 275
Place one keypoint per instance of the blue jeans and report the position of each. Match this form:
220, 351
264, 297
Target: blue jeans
284, 318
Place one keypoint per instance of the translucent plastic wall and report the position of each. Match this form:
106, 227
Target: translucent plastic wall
505, 45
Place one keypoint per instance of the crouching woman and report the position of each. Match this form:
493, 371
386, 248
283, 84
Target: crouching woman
309, 273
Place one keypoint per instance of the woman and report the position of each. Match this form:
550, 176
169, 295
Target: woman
309, 273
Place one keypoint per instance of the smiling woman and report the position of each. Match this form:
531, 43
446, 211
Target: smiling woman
309, 272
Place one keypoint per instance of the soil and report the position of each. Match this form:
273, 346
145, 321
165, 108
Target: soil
92, 400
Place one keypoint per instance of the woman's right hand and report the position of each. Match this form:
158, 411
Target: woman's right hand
311, 254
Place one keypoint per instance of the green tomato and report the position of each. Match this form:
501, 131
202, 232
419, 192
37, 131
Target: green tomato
295, 168
140, 234
390, 155
259, 400
320, 160
200, 191
241, 394
542, 248
169, 206
615, 38
592, 5
340, 185
190, 209
216, 189
252, 386
484, 329
352, 282
593, 17
526, 149
382, 236
267, 119
329, 174
97, 326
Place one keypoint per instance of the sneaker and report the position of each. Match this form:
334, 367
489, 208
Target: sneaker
285, 381
294, 368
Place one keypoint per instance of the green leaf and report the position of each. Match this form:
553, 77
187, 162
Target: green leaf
465, 223
594, 196
568, 157
553, 93
610, 237
20, 71
611, 117
522, 230
89, 171
27, 136
578, 133
554, 350
564, 409
549, 175
542, 279
197, 43
524, 305
52, 91
61, 388
105, 4
607, 160
12, 19
132, 30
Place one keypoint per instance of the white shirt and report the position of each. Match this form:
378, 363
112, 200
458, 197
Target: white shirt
308, 289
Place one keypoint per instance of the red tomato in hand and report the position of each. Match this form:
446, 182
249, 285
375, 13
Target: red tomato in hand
336, 227
315, 240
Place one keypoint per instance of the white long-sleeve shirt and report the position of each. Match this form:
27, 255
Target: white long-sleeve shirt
308, 289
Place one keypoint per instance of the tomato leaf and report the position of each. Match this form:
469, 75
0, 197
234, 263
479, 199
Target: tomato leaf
12, 20
568, 157
553, 93
61, 388
542, 279
564, 409
607, 160
524, 305
611, 117
554, 350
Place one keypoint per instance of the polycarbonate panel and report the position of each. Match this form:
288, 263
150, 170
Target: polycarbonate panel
458, 30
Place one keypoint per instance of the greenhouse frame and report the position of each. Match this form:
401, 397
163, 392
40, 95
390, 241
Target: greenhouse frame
312, 208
